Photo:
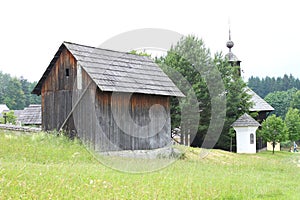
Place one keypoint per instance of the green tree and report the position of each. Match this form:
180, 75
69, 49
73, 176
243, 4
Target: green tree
4, 81
26, 90
27, 87
10, 118
14, 95
295, 102
255, 84
33, 99
140, 53
178, 62
179, 59
292, 121
273, 130
16, 92
280, 101
237, 100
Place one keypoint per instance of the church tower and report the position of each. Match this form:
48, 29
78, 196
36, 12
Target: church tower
233, 60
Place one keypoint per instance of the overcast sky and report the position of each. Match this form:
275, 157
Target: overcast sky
266, 33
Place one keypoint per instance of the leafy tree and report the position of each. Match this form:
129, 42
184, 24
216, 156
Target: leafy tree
273, 130
140, 53
280, 101
33, 99
16, 92
292, 121
295, 102
26, 89
15, 98
10, 118
179, 59
4, 81
237, 100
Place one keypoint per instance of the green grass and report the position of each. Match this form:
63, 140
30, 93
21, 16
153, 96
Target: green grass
44, 166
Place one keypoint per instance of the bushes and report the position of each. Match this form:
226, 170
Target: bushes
10, 118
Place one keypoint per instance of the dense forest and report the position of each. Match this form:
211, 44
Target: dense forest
282, 93
264, 86
16, 92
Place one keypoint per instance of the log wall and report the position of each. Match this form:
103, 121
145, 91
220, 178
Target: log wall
105, 121
57, 92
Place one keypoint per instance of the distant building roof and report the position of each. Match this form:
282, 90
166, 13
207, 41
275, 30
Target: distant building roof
259, 104
245, 120
117, 71
3, 107
31, 115
18, 114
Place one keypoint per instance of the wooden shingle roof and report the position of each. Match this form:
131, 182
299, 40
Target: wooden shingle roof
259, 104
31, 115
244, 121
18, 114
118, 71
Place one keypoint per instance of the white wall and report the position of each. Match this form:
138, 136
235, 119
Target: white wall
243, 139
270, 147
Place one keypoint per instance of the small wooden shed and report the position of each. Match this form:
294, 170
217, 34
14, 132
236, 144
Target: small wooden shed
245, 128
111, 100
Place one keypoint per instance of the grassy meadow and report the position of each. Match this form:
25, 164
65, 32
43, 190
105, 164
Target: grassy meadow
46, 166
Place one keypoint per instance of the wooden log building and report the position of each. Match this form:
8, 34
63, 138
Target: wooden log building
111, 100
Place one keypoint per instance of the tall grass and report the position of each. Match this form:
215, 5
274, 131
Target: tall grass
46, 166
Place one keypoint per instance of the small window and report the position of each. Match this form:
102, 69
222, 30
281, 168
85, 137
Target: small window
251, 138
67, 72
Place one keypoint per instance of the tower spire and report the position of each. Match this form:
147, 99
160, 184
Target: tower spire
229, 44
233, 60
229, 33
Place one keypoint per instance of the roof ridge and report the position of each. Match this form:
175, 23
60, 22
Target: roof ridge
142, 68
110, 50
245, 120
135, 59
262, 105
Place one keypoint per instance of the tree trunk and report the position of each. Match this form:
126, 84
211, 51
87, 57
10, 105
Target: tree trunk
231, 144
273, 144
182, 133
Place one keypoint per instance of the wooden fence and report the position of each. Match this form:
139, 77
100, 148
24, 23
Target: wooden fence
19, 128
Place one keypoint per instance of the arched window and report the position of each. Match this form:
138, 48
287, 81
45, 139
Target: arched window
251, 138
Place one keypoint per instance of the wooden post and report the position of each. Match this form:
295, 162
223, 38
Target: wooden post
4, 116
75, 105
230, 143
